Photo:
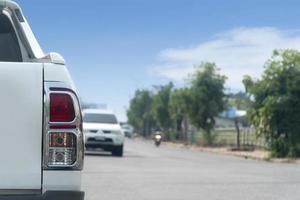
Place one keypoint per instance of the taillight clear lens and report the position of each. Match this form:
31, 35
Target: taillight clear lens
61, 108
62, 149
67, 140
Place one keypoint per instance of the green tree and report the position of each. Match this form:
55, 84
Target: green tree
139, 112
160, 106
275, 103
207, 98
178, 108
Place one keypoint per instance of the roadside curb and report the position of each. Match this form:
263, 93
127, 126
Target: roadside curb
259, 155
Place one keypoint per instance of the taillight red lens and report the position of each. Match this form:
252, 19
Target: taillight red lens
61, 108
62, 126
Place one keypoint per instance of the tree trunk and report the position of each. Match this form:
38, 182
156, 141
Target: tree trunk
185, 129
236, 123
178, 129
148, 128
144, 128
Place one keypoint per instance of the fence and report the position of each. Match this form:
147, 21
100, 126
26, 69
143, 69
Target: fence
228, 137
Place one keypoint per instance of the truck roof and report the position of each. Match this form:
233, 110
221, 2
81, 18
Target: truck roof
28, 38
9, 4
23, 27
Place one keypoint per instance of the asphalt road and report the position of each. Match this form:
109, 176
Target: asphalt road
150, 173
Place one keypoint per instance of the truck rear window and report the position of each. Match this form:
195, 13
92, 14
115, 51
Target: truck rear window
9, 45
99, 118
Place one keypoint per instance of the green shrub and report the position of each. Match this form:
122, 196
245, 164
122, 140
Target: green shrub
171, 135
279, 148
282, 147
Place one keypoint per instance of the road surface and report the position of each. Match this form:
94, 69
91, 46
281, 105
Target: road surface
168, 173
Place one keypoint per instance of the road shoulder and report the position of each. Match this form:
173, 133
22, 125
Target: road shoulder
262, 155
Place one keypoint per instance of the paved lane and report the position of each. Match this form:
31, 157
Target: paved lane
150, 173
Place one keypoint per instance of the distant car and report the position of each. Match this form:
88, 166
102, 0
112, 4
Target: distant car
102, 130
127, 129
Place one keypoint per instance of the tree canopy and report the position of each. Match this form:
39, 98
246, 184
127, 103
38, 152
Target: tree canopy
160, 106
207, 97
170, 108
275, 103
139, 112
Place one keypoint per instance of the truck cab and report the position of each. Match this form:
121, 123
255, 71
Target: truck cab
41, 140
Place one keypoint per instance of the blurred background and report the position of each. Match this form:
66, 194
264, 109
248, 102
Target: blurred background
113, 47
206, 78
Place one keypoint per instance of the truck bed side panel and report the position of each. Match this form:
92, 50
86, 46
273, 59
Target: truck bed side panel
21, 122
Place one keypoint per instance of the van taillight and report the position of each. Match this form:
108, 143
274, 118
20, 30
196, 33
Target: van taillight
61, 108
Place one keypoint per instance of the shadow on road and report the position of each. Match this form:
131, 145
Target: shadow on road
98, 152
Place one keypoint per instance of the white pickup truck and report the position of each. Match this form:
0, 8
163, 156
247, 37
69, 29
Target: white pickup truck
41, 139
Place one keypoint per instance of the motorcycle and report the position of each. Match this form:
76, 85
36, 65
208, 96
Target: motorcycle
157, 139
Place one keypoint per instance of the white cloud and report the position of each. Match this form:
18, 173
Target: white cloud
238, 52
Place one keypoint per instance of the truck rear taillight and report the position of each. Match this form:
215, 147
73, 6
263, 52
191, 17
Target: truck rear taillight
61, 108
62, 148
63, 137
63, 140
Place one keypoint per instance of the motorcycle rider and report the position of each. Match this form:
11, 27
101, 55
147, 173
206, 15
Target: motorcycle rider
157, 137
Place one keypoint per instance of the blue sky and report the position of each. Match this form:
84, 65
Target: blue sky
113, 47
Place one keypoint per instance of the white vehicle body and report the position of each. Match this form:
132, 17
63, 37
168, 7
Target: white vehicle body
100, 132
29, 83
127, 129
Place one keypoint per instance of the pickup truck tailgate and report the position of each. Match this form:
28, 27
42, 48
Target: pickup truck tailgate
21, 125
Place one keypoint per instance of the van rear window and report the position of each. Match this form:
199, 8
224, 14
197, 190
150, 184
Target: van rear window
9, 45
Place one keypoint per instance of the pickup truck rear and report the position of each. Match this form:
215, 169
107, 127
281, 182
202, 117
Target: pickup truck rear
41, 141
